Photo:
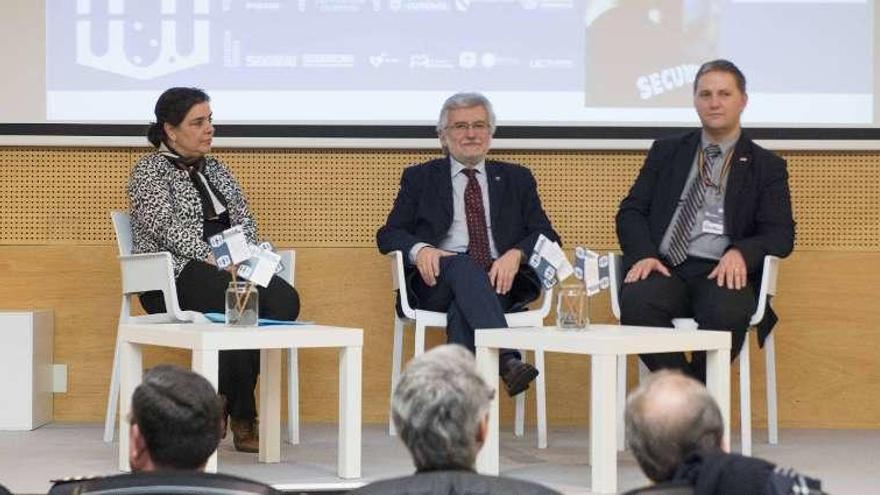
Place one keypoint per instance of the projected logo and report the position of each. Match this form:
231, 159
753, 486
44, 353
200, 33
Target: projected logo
115, 59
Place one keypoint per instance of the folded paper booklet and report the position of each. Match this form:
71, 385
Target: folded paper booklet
260, 267
230, 247
269, 247
256, 263
592, 268
549, 262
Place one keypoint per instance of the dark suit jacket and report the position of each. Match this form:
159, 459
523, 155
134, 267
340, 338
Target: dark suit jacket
453, 482
423, 212
757, 203
719, 473
165, 482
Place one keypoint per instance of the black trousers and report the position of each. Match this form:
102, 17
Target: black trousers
201, 287
658, 299
464, 293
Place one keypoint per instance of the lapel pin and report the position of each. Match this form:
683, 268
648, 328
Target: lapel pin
497, 178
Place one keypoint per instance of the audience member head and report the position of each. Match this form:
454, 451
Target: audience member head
175, 420
440, 409
668, 417
183, 122
465, 127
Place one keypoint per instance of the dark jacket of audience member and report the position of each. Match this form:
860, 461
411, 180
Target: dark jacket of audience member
676, 433
175, 427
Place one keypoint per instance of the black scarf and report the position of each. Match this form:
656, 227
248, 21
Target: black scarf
194, 168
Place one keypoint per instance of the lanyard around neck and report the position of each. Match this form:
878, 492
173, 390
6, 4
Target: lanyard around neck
705, 173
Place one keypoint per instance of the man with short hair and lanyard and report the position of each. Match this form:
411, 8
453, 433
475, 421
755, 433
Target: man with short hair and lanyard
695, 227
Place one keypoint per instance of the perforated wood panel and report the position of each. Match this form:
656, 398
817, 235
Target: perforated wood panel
581, 191
335, 199
320, 198
342, 198
836, 199
323, 198
60, 196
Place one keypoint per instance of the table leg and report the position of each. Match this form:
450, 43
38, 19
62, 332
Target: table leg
621, 400
130, 376
205, 363
718, 383
350, 369
270, 405
603, 423
488, 457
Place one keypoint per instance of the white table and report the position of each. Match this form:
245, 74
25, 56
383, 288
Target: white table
605, 344
205, 340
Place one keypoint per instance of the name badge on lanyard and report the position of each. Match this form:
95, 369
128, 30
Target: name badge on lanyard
713, 223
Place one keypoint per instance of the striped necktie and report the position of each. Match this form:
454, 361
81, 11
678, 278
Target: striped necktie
681, 233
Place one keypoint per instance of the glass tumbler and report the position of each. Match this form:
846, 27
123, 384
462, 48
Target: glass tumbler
242, 303
572, 308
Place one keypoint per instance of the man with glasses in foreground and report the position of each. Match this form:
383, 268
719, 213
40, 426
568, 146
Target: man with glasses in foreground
467, 226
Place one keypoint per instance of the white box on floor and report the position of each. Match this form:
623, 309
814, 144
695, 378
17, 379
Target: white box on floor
26, 339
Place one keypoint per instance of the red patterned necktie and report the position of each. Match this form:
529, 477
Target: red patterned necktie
478, 234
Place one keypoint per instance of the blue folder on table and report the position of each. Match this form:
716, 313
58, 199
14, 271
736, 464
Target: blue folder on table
263, 322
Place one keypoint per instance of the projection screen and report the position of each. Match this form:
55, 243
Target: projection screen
564, 69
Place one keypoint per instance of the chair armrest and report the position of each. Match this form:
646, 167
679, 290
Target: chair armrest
146, 271
615, 266
398, 283
767, 289
288, 261
546, 302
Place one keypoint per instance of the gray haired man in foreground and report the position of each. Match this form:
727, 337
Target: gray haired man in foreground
441, 410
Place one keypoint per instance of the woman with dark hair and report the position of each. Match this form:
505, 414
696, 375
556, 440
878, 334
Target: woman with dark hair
180, 196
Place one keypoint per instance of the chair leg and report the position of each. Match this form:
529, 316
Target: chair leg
419, 339
112, 395
621, 402
396, 358
541, 399
643, 370
520, 411
745, 399
293, 396
772, 419
520, 414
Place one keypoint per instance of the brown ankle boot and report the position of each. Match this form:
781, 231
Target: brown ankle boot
245, 435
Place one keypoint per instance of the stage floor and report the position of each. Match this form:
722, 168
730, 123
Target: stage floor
845, 460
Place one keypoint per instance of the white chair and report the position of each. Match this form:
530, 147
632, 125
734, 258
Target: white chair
422, 319
766, 291
154, 271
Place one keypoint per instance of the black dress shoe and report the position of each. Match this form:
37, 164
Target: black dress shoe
517, 376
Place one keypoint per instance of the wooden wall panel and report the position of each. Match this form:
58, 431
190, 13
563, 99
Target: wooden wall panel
835, 199
827, 339
337, 198
57, 250
60, 196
